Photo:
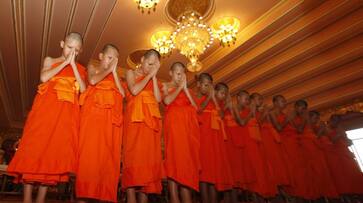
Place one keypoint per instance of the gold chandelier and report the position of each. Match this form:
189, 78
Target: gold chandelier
162, 42
226, 30
192, 37
146, 4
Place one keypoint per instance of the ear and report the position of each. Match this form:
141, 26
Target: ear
100, 56
170, 73
142, 59
198, 84
61, 43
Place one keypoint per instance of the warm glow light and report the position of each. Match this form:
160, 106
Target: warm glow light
147, 4
226, 30
162, 42
192, 37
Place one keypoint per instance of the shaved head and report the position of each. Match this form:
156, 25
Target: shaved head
204, 76
243, 92
177, 64
152, 52
74, 36
220, 86
109, 46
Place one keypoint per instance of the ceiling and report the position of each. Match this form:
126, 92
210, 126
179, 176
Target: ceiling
308, 49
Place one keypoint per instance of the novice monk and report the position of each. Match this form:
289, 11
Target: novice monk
243, 115
234, 147
210, 128
99, 151
264, 185
46, 154
142, 164
181, 133
322, 181
290, 128
345, 170
272, 147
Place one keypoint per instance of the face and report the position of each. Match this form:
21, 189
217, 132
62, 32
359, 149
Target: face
280, 102
71, 45
314, 118
149, 63
109, 55
333, 121
258, 100
177, 74
221, 94
243, 99
204, 86
300, 109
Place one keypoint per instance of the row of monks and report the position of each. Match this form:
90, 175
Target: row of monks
212, 143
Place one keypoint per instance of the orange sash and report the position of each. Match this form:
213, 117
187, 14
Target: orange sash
66, 88
145, 99
217, 122
253, 129
104, 96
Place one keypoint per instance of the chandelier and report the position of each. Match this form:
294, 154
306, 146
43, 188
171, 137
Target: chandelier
192, 37
162, 42
226, 30
146, 4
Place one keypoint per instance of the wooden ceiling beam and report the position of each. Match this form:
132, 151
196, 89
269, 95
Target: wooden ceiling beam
338, 95
321, 83
305, 26
286, 66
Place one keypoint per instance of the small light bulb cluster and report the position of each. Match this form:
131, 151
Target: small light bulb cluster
147, 5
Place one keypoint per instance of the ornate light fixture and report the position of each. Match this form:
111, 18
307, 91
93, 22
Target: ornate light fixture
192, 37
162, 42
147, 4
226, 30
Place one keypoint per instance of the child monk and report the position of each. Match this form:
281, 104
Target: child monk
264, 185
243, 115
272, 147
181, 133
345, 170
46, 154
234, 147
290, 127
210, 127
142, 161
99, 151
322, 181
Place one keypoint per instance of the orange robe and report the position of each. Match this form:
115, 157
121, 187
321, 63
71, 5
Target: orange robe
276, 158
181, 133
264, 184
46, 153
299, 185
321, 181
345, 170
248, 171
142, 156
235, 150
215, 168
99, 151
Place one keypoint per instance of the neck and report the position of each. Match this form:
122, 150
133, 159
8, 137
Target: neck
199, 94
241, 106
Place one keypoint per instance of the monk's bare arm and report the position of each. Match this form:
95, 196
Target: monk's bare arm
170, 97
95, 74
118, 83
48, 72
136, 88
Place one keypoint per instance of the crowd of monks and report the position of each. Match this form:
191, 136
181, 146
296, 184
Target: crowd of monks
214, 145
